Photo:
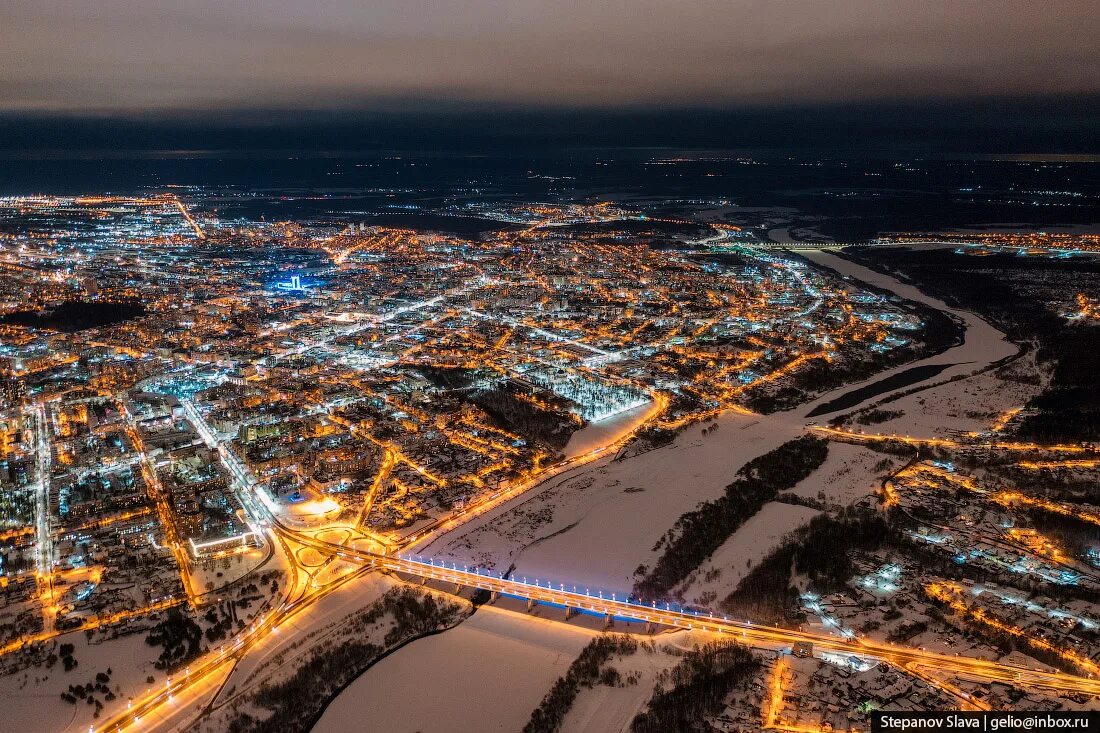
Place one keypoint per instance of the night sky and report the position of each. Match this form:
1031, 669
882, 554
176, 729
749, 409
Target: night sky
934, 75
138, 55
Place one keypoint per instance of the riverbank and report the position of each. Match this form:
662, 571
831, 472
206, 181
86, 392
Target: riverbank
982, 344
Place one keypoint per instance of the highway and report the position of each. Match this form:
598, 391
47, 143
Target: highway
216, 661
568, 596
977, 443
916, 661
190, 220
42, 492
744, 631
43, 535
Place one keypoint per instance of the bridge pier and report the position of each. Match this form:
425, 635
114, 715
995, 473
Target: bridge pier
650, 628
570, 612
608, 621
458, 588
493, 596
530, 604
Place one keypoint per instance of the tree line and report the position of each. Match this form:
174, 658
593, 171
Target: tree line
697, 689
585, 671
822, 550
698, 533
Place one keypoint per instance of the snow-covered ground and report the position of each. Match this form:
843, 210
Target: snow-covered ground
968, 405
983, 344
214, 574
487, 674
31, 700
596, 526
281, 652
850, 473
598, 434
719, 575
603, 709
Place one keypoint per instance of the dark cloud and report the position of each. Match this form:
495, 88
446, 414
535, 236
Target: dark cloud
73, 55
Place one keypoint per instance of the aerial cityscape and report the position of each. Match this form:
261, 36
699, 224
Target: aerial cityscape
415, 399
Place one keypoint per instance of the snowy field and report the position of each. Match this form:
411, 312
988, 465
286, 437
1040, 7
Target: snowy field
611, 430
850, 473
281, 652
983, 343
719, 575
487, 674
31, 700
597, 526
603, 709
968, 405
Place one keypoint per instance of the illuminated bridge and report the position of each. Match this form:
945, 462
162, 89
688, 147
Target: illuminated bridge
744, 631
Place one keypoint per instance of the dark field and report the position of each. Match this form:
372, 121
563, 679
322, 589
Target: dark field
72, 316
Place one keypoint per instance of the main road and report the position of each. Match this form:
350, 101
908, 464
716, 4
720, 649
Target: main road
753, 634
567, 596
